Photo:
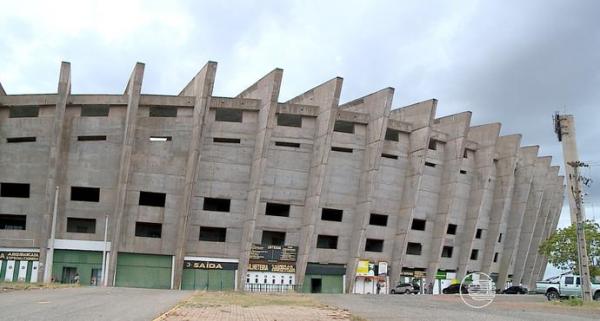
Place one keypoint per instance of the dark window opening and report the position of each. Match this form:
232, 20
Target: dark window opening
343, 127
145, 229
495, 257
216, 204
451, 229
289, 120
378, 219
81, 225
229, 115
474, 254
569, 279
94, 111
478, 233
152, 199
374, 245
341, 149
226, 140
465, 154
273, 238
414, 248
432, 144
20, 139
12, 222
287, 144
161, 138
327, 242
330, 214
274, 209
389, 156
213, 234
23, 111
392, 135
90, 138
500, 238
428, 164
447, 251
18, 190
85, 194
462, 171
418, 225
163, 111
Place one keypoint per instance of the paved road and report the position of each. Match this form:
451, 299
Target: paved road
87, 303
450, 307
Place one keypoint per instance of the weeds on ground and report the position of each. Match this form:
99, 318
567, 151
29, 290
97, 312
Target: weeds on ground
16, 286
578, 302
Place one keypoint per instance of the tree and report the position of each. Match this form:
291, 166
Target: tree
561, 248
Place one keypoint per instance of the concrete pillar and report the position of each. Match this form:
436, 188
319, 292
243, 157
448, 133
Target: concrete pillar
421, 117
482, 189
556, 209
540, 224
200, 87
456, 128
378, 106
506, 155
56, 166
133, 92
534, 204
570, 154
327, 97
523, 178
267, 90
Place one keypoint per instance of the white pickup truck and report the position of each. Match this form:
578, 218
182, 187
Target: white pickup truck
565, 285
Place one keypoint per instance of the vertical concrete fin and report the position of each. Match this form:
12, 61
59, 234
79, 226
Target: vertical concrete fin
201, 87
2, 92
267, 90
421, 116
378, 106
56, 166
523, 181
133, 93
553, 221
482, 189
456, 128
505, 159
326, 96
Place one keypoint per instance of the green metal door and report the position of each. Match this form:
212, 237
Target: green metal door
82, 261
144, 271
209, 280
329, 283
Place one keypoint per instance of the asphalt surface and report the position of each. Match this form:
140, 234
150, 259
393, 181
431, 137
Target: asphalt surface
450, 307
88, 303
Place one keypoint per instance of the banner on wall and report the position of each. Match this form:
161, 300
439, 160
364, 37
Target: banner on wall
382, 269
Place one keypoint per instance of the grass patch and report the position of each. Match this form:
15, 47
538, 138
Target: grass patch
19, 286
578, 303
216, 299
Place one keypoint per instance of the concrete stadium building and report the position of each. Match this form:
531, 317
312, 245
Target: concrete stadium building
247, 192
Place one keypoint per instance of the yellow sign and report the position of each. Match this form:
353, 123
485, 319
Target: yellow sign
363, 268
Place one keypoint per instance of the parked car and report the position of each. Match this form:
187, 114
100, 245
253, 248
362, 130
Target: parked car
565, 285
515, 289
454, 288
405, 288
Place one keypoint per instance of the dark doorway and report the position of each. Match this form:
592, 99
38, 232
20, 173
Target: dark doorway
315, 285
68, 274
96, 277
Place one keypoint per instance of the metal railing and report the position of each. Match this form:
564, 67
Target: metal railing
272, 288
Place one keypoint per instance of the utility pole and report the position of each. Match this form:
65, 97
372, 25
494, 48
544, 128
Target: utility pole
584, 269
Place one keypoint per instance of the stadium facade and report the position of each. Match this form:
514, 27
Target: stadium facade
246, 192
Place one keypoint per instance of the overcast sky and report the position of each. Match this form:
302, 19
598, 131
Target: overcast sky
513, 62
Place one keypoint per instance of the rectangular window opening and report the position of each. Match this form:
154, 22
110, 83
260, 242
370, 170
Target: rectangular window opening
85, 194
389, 156
374, 245
146, 229
462, 171
451, 229
163, 111
152, 199
414, 248
447, 251
81, 225
229, 115
392, 135
23, 111
428, 164
378, 219
418, 224
474, 254
330, 214
343, 127
289, 120
94, 111
226, 140
500, 238
478, 233
274, 209
161, 138
20, 139
341, 149
13, 222
18, 190
327, 242
495, 257
216, 204
90, 138
213, 234
273, 238
432, 144
287, 144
